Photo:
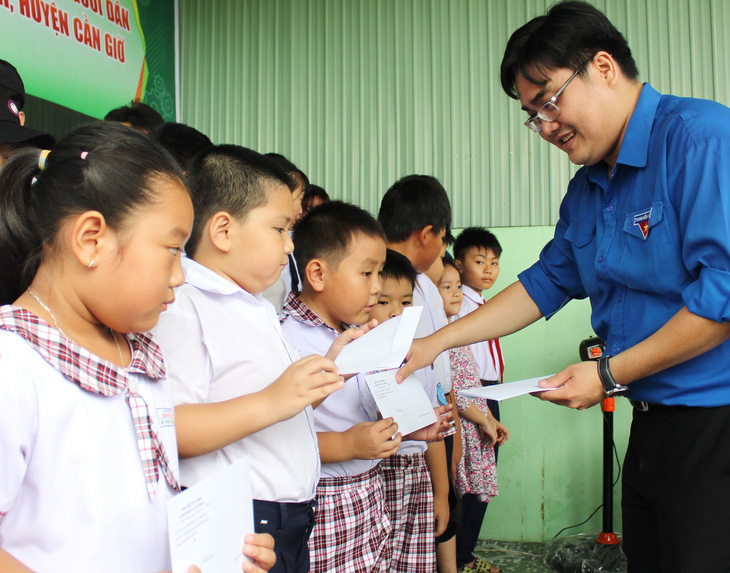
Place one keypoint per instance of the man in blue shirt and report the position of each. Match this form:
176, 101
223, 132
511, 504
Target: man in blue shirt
644, 232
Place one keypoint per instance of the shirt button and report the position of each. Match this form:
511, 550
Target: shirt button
619, 298
609, 208
600, 259
132, 386
616, 349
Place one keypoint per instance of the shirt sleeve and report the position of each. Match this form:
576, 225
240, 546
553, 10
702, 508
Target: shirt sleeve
702, 181
179, 334
18, 425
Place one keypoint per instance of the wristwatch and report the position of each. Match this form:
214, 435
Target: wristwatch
610, 387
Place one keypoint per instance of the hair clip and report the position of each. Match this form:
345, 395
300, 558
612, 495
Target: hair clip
84, 154
43, 158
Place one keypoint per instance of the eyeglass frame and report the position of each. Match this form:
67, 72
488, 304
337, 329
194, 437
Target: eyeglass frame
531, 122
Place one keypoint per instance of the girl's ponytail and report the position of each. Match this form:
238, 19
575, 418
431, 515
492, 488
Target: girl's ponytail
21, 243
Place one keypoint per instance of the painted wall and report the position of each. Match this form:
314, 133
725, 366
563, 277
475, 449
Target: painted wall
550, 471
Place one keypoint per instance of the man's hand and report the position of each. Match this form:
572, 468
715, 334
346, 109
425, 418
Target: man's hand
435, 432
421, 354
578, 386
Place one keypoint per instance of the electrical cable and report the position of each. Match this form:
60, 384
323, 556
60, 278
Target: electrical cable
618, 477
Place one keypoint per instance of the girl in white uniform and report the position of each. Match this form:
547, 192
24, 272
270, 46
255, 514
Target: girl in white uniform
90, 243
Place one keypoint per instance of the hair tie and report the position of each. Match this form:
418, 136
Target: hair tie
84, 154
43, 158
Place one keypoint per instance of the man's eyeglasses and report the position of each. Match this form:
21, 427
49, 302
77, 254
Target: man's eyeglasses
550, 111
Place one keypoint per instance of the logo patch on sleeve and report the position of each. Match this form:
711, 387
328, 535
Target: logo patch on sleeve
166, 417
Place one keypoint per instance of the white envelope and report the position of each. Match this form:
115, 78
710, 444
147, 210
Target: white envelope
383, 347
407, 402
208, 521
501, 392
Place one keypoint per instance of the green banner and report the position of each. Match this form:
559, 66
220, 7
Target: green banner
93, 55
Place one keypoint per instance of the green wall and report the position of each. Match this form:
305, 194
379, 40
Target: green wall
550, 470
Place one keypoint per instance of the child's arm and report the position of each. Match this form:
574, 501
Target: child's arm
458, 449
436, 462
9, 564
204, 428
364, 441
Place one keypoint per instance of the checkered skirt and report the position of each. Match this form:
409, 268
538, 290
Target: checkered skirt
351, 528
409, 499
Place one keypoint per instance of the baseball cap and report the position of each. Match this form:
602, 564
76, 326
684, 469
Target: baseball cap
12, 100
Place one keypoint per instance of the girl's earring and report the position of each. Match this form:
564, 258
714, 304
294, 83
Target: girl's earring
91, 264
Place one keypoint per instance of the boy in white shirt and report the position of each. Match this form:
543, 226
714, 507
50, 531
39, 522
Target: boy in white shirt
341, 250
238, 384
476, 255
416, 216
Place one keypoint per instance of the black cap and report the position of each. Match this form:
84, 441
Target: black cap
12, 100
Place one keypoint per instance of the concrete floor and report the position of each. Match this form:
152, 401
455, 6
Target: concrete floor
524, 557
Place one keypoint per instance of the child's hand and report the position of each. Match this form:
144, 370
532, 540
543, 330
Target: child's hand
348, 336
305, 382
374, 440
435, 432
259, 549
488, 432
440, 514
502, 432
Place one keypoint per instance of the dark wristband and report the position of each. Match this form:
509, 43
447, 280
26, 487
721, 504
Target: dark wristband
604, 374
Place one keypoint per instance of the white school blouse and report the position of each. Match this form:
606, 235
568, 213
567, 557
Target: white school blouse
73, 496
220, 342
340, 411
485, 352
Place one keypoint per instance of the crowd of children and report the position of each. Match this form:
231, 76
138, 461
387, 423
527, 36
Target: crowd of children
139, 355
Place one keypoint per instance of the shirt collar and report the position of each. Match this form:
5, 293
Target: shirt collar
471, 294
298, 310
78, 364
635, 144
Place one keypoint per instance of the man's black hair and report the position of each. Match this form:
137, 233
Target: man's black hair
138, 115
182, 141
229, 178
399, 267
327, 231
569, 34
476, 237
412, 203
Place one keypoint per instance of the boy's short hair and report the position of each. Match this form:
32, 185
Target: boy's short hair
476, 237
399, 267
412, 203
138, 115
182, 141
292, 170
569, 34
327, 231
229, 178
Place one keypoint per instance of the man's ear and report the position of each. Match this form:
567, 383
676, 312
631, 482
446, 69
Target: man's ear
220, 230
91, 238
21, 117
316, 273
606, 67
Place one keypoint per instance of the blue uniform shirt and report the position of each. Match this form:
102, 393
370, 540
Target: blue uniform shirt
652, 239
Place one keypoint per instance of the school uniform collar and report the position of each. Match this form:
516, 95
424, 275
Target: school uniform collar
634, 150
471, 294
298, 310
205, 279
98, 376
